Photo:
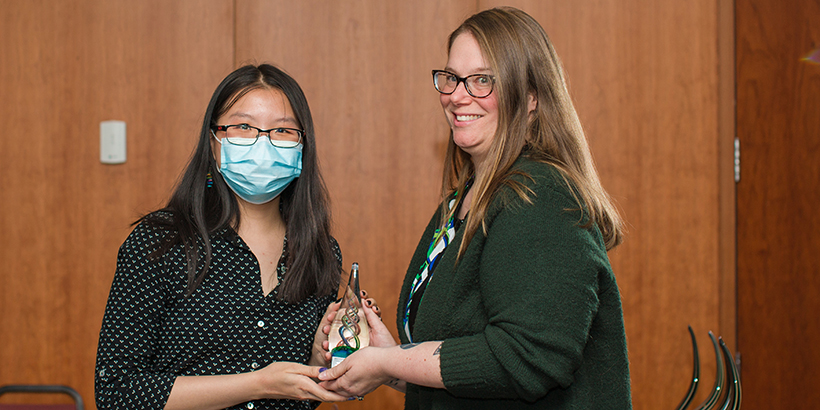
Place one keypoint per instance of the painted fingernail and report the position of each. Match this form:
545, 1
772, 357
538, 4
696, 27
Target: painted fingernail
322, 370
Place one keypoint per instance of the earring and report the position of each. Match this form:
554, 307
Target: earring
209, 181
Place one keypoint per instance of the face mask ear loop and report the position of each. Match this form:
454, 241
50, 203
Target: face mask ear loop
213, 156
217, 139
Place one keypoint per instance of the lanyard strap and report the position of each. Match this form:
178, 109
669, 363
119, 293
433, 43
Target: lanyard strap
441, 239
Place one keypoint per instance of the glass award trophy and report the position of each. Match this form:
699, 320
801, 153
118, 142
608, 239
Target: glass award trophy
349, 331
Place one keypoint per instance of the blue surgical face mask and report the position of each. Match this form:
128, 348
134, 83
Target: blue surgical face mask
258, 173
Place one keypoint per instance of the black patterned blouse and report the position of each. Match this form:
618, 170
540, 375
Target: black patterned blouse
151, 333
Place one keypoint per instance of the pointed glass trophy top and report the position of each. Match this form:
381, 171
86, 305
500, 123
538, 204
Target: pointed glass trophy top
349, 331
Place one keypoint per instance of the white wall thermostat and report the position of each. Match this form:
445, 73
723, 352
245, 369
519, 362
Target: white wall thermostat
112, 142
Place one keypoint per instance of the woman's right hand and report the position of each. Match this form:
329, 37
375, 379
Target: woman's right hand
295, 381
279, 380
380, 336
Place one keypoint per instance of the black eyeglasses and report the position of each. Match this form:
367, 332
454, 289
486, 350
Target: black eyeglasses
244, 134
477, 85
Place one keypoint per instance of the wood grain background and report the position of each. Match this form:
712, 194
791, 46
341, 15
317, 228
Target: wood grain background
778, 262
646, 77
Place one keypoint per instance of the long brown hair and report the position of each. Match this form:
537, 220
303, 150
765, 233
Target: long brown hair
198, 211
525, 64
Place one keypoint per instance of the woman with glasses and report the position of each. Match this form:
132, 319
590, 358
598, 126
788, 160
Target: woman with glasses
509, 301
218, 299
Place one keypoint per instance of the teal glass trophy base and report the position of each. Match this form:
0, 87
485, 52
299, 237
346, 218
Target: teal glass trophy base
339, 353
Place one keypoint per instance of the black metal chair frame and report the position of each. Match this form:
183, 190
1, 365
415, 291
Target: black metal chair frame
725, 370
44, 388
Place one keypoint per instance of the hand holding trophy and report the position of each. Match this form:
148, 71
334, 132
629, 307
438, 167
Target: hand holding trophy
349, 331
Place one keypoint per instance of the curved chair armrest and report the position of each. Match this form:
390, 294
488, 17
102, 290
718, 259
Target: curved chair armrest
693, 385
733, 392
44, 388
710, 402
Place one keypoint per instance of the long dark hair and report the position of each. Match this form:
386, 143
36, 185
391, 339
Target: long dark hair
197, 211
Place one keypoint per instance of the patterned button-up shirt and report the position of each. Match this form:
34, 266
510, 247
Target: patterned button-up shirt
152, 333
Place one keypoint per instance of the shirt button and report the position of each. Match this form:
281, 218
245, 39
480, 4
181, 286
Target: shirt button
255, 365
260, 323
249, 405
102, 372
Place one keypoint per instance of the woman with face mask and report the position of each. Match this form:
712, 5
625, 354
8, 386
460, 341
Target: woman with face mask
509, 301
223, 297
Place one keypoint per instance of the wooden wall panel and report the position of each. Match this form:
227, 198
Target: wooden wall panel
67, 65
778, 94
365, 68
644, 76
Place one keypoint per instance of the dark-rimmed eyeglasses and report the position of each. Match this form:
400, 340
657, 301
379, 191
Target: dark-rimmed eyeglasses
477, 85
244, 134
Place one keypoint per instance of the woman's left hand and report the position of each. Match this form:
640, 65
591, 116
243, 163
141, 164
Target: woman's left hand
320, 355
358, 374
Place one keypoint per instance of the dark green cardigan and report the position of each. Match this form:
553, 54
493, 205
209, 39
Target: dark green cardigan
531, 316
